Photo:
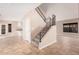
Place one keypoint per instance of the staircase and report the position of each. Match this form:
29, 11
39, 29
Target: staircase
49, 22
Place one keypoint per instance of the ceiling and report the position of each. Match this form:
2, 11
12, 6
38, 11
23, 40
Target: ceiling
15, 11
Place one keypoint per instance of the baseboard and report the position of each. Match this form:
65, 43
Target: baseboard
47, 45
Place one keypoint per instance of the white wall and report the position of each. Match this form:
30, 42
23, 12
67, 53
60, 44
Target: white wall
64, 10
44, 7
14, 28
18, 12
30, 23
60, 27
26, 30
19, 24
36, 20
15, 11
49, 38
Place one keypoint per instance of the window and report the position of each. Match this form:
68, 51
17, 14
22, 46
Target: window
9, 28
70, 27
3, 29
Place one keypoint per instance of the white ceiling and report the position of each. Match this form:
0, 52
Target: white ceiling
15, 11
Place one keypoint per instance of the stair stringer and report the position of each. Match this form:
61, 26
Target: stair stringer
49, 38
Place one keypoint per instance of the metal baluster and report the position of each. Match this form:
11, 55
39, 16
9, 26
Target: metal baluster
40, 37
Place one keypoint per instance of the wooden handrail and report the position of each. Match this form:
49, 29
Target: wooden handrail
45, 29
40, 13
42, 32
